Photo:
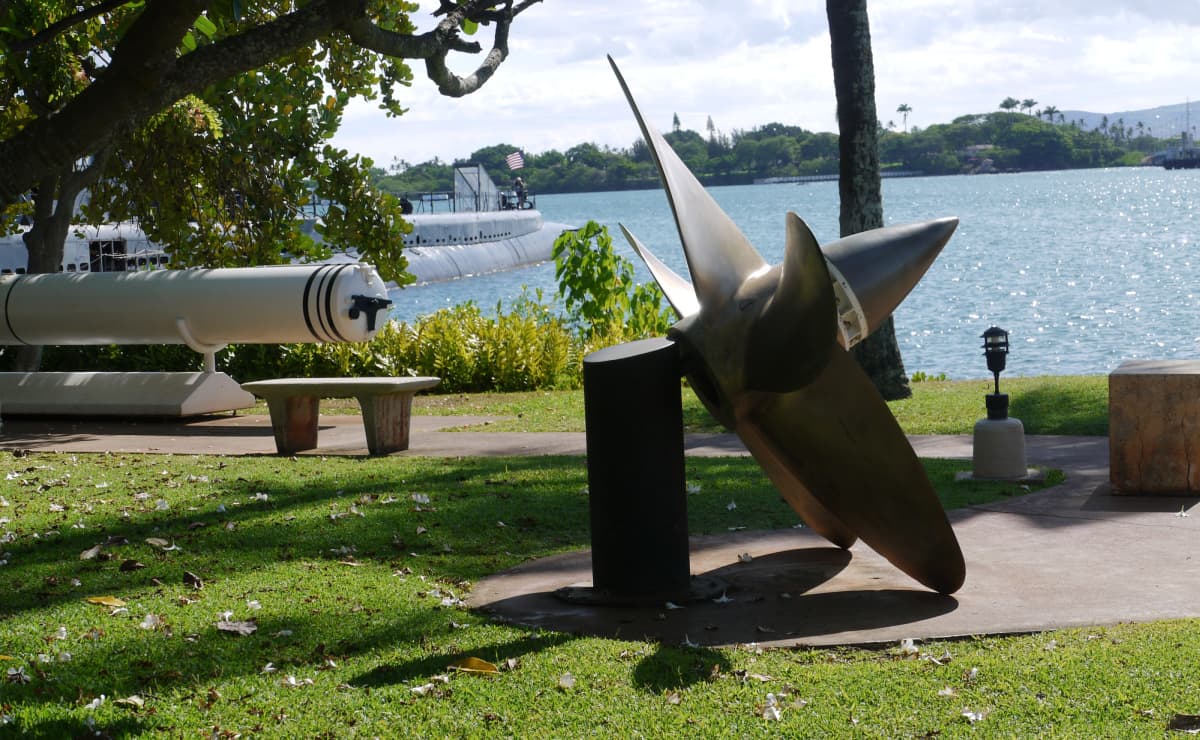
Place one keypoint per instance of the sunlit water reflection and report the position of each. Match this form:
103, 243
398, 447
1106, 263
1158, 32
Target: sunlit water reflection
1085, 269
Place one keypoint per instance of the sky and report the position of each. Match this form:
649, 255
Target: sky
754, 62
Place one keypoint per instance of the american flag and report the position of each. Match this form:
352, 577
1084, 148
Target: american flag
515, 161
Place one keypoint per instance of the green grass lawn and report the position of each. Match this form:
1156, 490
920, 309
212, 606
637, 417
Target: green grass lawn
1045, 405
1070, 404
347, 575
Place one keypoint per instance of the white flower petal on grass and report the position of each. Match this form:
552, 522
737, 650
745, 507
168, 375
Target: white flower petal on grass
61, 634
420, 498
269, 668
908, 646
693, 488
731, 505
946, 691
253, 604
151, 622
422, 690
161, 505
745, 557
96, 703
566, 681
260, 496
282, 633
294, 682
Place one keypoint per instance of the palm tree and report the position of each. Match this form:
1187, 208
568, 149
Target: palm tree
858, 182
1009, 103
1027, 104
904, 110
1050, 112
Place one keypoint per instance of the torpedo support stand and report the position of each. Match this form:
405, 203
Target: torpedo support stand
636, 481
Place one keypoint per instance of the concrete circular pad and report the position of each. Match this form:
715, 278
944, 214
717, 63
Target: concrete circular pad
1073, 555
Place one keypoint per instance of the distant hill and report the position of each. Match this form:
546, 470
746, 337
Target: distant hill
1165, 121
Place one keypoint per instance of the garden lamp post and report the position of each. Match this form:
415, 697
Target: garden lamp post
995, 349
999, 442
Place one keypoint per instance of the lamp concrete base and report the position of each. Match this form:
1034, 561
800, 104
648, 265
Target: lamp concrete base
999, 449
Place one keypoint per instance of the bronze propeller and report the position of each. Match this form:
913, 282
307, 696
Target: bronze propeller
765, 349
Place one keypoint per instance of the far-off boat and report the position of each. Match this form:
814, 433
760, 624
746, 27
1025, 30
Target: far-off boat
474, 230
1183, 157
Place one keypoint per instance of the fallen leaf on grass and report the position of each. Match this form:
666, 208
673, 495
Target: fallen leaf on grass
770, 709
105, 601
237, 628
1189, 723
17, 675
130, 565
133, 701
161, 544
973, 717
473, 665
193, 580
91, 553
294, 682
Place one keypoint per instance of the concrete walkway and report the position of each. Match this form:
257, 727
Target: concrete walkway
1073, 555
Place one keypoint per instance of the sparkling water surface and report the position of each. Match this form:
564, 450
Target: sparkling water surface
1084, 268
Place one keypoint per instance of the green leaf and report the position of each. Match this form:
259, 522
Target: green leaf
189, 41
206, 27
469, 26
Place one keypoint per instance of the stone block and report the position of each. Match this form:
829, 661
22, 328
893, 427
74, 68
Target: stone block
1154, 427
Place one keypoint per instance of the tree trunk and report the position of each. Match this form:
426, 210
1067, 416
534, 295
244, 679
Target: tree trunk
54, 205
858, 183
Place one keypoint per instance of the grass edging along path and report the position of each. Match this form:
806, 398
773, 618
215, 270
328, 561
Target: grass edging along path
321, 597
1073, 405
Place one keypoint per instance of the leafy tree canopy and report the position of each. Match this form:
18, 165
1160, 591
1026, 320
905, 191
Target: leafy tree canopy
209, 120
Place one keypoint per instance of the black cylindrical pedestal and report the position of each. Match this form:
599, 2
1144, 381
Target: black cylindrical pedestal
636, 472
997, 406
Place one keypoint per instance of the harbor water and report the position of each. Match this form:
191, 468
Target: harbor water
1084, 268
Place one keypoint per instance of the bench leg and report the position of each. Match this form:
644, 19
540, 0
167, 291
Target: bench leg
294, 421
386, 421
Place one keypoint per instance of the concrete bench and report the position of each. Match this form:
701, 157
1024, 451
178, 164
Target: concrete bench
386, 406
1154, 427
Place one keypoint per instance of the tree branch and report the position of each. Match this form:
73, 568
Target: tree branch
49, 33
146, 74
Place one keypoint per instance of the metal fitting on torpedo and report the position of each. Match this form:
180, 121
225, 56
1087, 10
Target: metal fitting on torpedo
369, 304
